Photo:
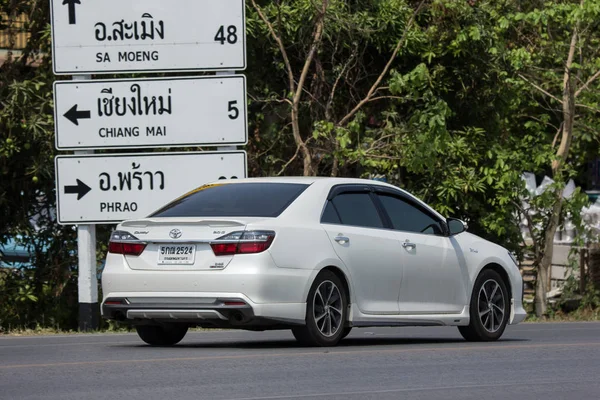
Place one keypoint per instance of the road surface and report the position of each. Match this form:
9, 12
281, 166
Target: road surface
532, 361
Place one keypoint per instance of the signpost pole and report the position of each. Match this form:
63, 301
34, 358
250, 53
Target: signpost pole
89, 312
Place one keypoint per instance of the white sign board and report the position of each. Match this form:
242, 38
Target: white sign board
119, 36
163, 112
98, 189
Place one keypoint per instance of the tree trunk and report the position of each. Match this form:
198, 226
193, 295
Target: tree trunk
305, 151
541, 287
297, 89
309, 169
568, 114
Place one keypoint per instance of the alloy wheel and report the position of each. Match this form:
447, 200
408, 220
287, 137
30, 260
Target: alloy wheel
491, 306
327, 310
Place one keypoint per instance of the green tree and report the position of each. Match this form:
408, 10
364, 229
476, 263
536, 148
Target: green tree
556, 54
332, 59
45, 292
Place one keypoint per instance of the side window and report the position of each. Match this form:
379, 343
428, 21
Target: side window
406, 217
330, 216
357, 209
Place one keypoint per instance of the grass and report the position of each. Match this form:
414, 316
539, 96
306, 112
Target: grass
39, 331
580, 315
46, 331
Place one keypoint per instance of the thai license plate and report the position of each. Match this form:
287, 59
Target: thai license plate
176, 254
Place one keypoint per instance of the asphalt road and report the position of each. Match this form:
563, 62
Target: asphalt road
532, 361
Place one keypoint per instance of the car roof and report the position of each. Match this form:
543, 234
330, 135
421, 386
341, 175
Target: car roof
327, 181
324, 182
307, 180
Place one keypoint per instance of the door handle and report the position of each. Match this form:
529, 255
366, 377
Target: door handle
409, 245
342, 239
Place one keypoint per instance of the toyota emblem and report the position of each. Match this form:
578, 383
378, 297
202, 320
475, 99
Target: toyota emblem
175, 233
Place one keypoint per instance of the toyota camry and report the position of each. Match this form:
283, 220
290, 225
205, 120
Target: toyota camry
318, 256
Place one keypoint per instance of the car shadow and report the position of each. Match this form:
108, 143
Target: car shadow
248, 344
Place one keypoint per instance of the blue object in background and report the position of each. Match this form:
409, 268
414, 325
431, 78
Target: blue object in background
14, 255
379, 178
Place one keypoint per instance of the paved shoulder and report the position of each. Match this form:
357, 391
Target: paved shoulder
553, 361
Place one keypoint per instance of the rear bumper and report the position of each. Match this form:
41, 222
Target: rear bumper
203, 309
269, 295
254, 278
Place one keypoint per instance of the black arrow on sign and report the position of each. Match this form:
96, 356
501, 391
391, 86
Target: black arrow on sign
74, 116
71, 4
81, 189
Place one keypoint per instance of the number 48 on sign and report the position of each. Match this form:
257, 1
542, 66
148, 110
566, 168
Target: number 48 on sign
231, 37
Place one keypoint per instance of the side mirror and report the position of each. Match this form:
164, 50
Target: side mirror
456, 226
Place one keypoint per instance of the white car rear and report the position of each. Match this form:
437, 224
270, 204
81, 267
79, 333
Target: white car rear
315, 255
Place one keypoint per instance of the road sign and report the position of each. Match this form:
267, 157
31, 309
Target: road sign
162, 112
98, 189
120, 36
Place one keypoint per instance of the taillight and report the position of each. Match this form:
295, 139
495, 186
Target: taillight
234, 303
113, 302
224, 249
246, 242
125, 243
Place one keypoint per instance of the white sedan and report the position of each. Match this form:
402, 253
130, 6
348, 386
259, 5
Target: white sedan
314, 255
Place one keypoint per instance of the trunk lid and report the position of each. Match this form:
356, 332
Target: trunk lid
181, 244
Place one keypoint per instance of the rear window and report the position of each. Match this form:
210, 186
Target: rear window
234, 200
357, 209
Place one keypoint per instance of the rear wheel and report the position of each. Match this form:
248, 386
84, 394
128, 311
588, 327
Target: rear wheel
162, 335
326, 309
489, 309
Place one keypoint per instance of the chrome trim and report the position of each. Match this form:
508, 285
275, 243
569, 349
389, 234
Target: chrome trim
179, 242
171, 300
175, 314
238, 241
342, 239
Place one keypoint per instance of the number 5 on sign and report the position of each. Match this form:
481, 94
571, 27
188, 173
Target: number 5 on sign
234, 112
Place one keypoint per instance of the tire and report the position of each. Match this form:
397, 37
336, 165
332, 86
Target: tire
325, 327
488, 319
162, 335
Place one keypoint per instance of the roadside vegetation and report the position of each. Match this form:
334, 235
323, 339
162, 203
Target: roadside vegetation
450, 99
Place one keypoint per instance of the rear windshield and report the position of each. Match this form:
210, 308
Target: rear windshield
234, 200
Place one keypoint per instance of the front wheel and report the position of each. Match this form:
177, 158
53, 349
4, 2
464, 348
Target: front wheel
326, 312
489, 309
161, 335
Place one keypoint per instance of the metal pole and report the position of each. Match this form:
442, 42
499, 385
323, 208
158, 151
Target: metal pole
89, 311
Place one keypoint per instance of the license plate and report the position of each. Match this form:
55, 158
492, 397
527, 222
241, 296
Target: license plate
176, 254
